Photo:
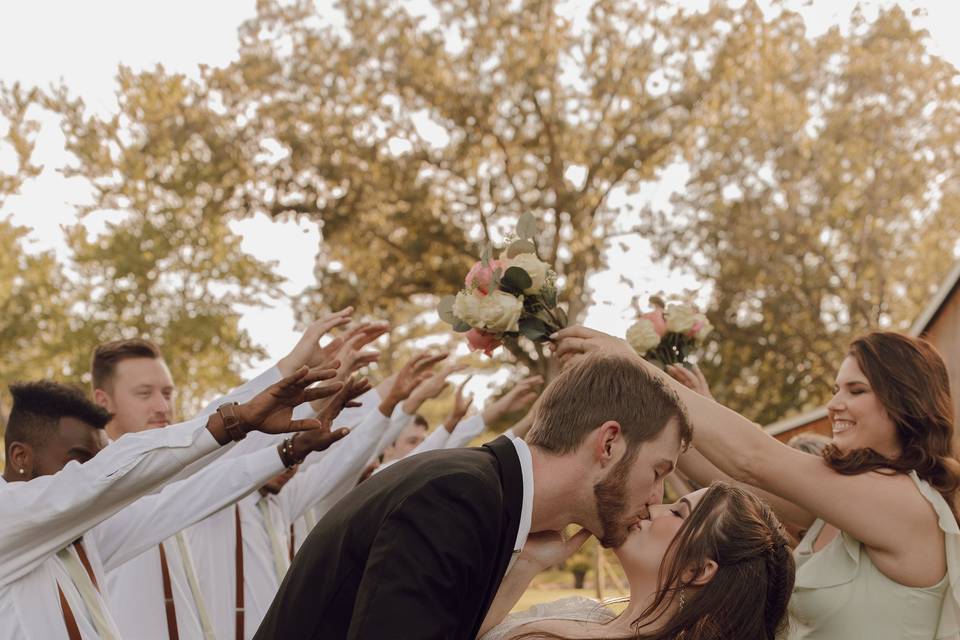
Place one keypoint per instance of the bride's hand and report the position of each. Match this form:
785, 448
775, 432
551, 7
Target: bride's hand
546, 549
573, 343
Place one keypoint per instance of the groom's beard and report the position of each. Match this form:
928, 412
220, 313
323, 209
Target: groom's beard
611, 494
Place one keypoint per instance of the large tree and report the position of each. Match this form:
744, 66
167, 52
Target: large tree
414, 143
169, 267
822, 202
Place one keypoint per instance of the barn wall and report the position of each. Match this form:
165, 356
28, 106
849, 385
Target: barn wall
944, 333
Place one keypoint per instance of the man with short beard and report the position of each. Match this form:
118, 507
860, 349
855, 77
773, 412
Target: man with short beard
156, 591
419, 550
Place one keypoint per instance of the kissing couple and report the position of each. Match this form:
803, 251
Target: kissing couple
443, 544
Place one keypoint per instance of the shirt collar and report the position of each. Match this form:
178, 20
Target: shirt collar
526, 511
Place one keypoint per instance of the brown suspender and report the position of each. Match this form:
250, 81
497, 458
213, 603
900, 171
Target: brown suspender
239, 623
291, 543
78, 545
69, 621
169, 604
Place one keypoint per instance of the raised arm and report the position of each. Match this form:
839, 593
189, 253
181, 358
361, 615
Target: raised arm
885, 512
41, 516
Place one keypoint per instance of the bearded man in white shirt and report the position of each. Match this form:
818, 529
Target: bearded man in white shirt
156, 593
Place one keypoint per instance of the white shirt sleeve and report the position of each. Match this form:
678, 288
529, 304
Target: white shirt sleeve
343, 462
152, 519
43, 515
398, 421
255, 440
465, 431
352, 416
436, 439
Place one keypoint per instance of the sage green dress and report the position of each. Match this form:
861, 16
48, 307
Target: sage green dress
840, 595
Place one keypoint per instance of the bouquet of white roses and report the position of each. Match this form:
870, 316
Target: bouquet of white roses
508, 297
668, 333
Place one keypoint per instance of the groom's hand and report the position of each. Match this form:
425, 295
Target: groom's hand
545, 549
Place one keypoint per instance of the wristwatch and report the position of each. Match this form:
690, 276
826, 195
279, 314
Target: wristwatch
231, 421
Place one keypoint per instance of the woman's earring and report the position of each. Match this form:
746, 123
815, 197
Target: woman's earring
683, 597
22, 471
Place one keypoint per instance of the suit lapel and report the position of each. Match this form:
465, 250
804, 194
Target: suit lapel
511, 478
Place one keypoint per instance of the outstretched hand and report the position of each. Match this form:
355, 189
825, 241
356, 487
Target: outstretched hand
691, 378
461, 404
323, 436
271, 410
431, 387
307, 351
522, 395
573, 343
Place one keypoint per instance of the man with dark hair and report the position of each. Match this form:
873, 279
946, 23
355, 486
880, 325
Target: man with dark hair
50, 425
49, 500
419, 550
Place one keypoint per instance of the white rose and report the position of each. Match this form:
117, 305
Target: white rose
642, 336
535, 268
680, 318
497, 312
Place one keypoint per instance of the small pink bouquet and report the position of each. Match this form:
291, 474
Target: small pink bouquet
508, 297
668, 333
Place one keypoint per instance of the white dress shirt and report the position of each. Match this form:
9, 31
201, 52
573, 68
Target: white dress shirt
526, 509
128, 542
40, 517
213, 541
466, 431
440, 438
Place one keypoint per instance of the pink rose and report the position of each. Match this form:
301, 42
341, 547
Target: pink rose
482, 341
482, 277
659, 323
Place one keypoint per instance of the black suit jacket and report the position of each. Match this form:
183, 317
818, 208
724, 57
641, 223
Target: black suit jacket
414, 552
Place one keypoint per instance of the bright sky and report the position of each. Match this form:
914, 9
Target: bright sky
82, 43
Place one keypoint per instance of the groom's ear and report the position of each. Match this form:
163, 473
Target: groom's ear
608, 443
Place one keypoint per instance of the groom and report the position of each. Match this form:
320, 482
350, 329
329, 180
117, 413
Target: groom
419, 550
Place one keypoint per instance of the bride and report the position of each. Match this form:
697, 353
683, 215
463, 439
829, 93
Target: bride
714, 565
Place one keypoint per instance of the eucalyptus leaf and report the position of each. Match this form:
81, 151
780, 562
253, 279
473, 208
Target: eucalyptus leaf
527, 226
516, 279
520, 246
461, 327
485, 256
445, 310
533, 328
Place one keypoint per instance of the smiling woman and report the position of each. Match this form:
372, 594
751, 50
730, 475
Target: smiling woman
882, 548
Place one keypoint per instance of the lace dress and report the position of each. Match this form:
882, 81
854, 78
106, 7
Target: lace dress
572, 608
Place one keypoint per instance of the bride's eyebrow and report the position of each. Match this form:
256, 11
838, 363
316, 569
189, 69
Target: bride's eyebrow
689, 506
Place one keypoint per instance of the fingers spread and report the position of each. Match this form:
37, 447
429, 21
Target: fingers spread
322, 391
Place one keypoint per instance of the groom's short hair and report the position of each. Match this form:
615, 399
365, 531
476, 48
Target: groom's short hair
601, 388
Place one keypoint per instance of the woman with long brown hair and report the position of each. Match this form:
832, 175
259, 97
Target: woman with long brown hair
714, 565
881, 554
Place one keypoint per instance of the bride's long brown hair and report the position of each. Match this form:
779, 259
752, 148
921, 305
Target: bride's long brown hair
747, 597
